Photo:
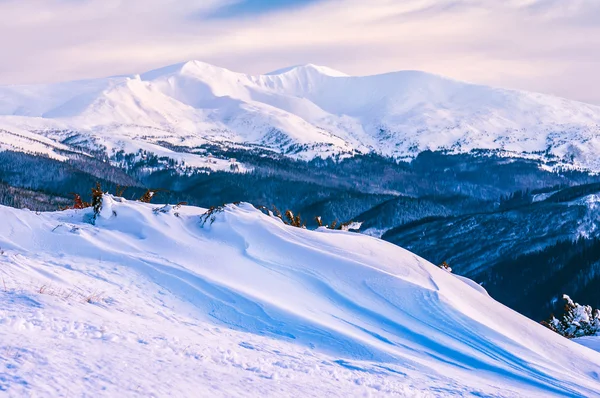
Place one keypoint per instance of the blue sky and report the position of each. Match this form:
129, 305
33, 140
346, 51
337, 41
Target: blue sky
255, 7
549, 46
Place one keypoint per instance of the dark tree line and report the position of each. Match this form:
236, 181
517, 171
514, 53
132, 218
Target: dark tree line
533, 284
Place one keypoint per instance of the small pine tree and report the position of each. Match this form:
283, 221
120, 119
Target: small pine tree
577, 321
298, 222
119, 191
289, 216
97, 199
319, 221
277, 213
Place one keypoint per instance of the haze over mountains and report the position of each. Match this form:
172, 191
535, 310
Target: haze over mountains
305, 112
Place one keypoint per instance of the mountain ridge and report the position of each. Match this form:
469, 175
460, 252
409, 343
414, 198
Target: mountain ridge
308, 111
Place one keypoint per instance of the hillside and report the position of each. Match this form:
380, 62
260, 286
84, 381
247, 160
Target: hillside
151, 300
305, 112
528, 256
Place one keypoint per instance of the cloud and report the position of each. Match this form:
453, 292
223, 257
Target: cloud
540, 45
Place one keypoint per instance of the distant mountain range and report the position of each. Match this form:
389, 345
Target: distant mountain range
304, 112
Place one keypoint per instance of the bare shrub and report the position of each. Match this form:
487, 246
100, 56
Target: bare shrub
93, 298
445, 266
78, 203
148, 195
210, 214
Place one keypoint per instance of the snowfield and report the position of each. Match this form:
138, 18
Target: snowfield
151, 301
592, 342
304, 111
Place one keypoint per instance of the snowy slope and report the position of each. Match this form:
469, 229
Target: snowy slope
151, 303
307, 111
592, 342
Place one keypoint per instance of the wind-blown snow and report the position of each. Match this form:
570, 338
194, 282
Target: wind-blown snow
151, 302
307, 111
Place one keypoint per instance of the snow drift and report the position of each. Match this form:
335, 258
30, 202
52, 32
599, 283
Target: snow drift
152, 301
303, 111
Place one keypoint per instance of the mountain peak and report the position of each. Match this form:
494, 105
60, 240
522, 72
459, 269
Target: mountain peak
196, 67
324, 70
187, 67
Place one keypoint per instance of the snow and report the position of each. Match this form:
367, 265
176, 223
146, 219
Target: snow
311, 67
149, 301
323, 111
106, 209
592, 342
540, 197
20, 140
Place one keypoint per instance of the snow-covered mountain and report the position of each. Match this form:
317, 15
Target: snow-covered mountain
304, 111
151, 301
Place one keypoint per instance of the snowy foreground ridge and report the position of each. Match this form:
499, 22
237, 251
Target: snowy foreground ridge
151, 303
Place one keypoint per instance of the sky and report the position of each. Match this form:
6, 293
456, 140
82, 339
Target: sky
549, 46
